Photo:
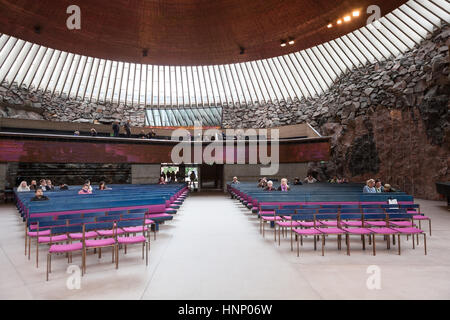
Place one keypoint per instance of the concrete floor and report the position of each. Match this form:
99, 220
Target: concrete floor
213, 250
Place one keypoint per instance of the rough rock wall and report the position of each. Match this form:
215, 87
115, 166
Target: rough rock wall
19, 103
388, 120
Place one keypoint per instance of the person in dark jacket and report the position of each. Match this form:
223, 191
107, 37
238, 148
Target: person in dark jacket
39, 195
127, 127
270, 186
116, 128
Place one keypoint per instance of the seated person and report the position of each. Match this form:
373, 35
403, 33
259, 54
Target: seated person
310, 179
161, 180
76, 133
63, 186
378, 186
43, 185
388, 188
262, 183
284, 185
297, 182
33, 185
102, 186
93, 132
23, 187
334, 180
49, 185
85, 189
370, 186
142, 135
88, 182
270, 186
39, 195
235, 180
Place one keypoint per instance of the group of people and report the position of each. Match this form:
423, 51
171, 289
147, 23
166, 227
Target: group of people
375, 186
171, 177
267, 185
46, 185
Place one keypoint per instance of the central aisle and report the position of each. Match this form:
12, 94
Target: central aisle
216, 252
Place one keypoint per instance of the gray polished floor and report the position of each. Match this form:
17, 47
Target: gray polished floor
213, 250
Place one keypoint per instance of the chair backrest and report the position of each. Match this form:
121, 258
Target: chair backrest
303, 217
326, 206
370, 205
68, 229
98, 225
373, 210
395, 211
116, 213
374, 216
327, 216
291, 206
349, 206
94, 214
350, 216
402, 216
130, 223
328, 210
69, 216
133, 216
108, 218
52, 223
138, 211
305, 211
269, 208
80, 221
351, 210
310, 206
285, 212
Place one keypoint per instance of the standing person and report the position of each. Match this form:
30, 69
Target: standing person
192, 177
163, 175
39, 195
116, 128
23, 187
127, 127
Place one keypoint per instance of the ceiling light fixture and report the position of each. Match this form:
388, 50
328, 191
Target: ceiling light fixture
347, 18
339, 21
355, 13
330, 25
283, 43
291, 41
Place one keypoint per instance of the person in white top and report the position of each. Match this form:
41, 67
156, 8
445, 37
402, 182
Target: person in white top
310, 179
23, 187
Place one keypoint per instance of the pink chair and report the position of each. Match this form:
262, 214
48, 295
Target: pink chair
67, 248
411, 232
101, 243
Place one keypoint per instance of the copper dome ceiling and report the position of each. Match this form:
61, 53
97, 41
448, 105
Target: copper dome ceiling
183, 32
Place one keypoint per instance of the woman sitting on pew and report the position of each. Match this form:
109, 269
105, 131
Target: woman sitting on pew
39, 195
85, 189
284, 187
102, 186
49, 185
161, 180
270, 186
370, 186
23, 187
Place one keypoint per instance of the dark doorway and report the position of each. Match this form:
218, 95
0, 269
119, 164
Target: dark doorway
211, 176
